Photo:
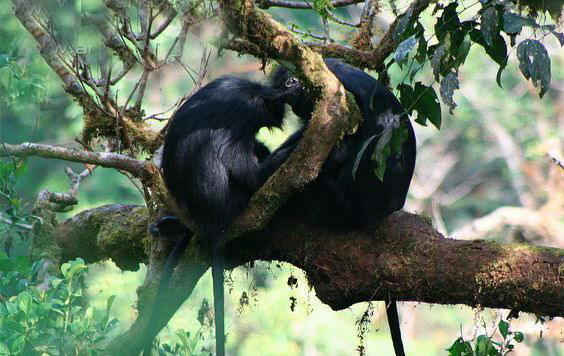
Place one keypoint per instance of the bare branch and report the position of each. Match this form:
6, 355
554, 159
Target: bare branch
104, 159
529, 219
65, 201
22, 226
556, 161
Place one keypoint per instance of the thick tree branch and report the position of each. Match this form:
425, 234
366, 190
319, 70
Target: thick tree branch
265, 4
361, 58
404, 258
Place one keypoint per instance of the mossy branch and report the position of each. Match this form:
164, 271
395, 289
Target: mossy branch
404, 259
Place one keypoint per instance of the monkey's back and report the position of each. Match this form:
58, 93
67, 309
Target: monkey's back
208, 165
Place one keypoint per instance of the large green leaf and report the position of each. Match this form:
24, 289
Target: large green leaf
404, 48
513, 23
534, 63
422, 99
489, 27
448, 85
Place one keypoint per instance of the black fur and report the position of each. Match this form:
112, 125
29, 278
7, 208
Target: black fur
336, 199
211, 165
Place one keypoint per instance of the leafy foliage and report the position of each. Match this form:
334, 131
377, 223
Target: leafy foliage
484, 344
12, 211
455, 37
16, 83
323, 7
52, 318
189, 345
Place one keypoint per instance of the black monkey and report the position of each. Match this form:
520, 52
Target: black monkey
343, 197
211, 166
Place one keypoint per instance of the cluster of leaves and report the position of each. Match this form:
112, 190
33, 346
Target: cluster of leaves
17, 84
51, 318
389, 141
12, 209
454, 40
323, 7
485, 346
10, 171
189, 345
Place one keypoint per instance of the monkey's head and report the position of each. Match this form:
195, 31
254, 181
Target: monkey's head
292, 92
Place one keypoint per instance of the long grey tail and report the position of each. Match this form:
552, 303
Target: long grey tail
171, 262
395, 331
218, 259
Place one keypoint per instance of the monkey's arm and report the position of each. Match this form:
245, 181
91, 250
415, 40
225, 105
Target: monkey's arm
261, 151
279, 156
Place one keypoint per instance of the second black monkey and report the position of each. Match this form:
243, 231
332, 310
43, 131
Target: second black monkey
340, 198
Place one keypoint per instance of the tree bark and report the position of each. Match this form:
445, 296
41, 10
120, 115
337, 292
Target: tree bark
403, 259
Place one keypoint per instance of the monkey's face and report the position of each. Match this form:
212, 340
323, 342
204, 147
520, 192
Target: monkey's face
293, 92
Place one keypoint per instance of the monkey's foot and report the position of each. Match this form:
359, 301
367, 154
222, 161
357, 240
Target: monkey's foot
167, 226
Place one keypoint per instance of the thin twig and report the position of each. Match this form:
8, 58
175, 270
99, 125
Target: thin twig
22, 226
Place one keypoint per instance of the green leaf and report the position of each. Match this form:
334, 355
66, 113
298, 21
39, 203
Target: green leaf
503, 328
11, 307
361, 152
460, 348
76, 266
4, 350
489, 27
422, 99
534, 63
323, 7
448, 85
6, 265
399, 136
483, 346
55, 281
497, 52
25, 302
391, 140
110, 302
518, 336
437, 59
462, 51
13, 327
64, 269
6, 77
404, 48
448, 22
513, 23
427, 105
559, 36
17, 346
23, 264
402, 24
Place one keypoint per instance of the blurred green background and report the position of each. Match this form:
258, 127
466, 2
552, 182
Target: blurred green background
464, 172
